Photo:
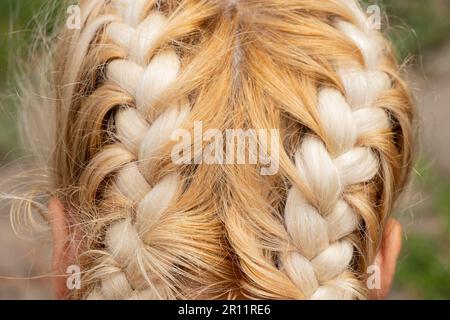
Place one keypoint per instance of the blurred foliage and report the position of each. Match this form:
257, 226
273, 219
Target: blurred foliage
16, 30
414, 25
424, 268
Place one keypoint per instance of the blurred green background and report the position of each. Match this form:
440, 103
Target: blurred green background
420, 30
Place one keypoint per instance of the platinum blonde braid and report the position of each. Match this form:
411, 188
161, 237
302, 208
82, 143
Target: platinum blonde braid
321, 230
142, 139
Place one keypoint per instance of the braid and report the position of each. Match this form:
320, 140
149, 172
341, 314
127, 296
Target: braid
339, 113
145, 83
151, 235
321, 229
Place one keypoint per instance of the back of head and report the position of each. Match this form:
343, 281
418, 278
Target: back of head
147, 227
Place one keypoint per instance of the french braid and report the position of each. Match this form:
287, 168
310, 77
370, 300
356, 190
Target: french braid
321, 230
346, 119
151, 243
144, 83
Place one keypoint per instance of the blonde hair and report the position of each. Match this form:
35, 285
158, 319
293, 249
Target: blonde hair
147, 228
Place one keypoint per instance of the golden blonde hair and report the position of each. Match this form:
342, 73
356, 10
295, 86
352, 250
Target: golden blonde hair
149, 228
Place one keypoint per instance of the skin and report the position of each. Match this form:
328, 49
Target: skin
64, 252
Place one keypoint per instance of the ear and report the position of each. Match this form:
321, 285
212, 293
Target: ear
387, 257
62, 252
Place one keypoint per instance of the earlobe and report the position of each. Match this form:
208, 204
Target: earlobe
387, 257
60, 246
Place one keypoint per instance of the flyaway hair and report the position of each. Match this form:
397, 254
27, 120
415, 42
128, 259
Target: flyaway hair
118, 88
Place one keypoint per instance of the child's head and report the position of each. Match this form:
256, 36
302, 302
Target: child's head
316, 76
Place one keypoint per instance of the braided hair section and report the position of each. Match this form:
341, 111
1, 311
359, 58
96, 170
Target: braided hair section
142, 140
149, 230
322, 230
